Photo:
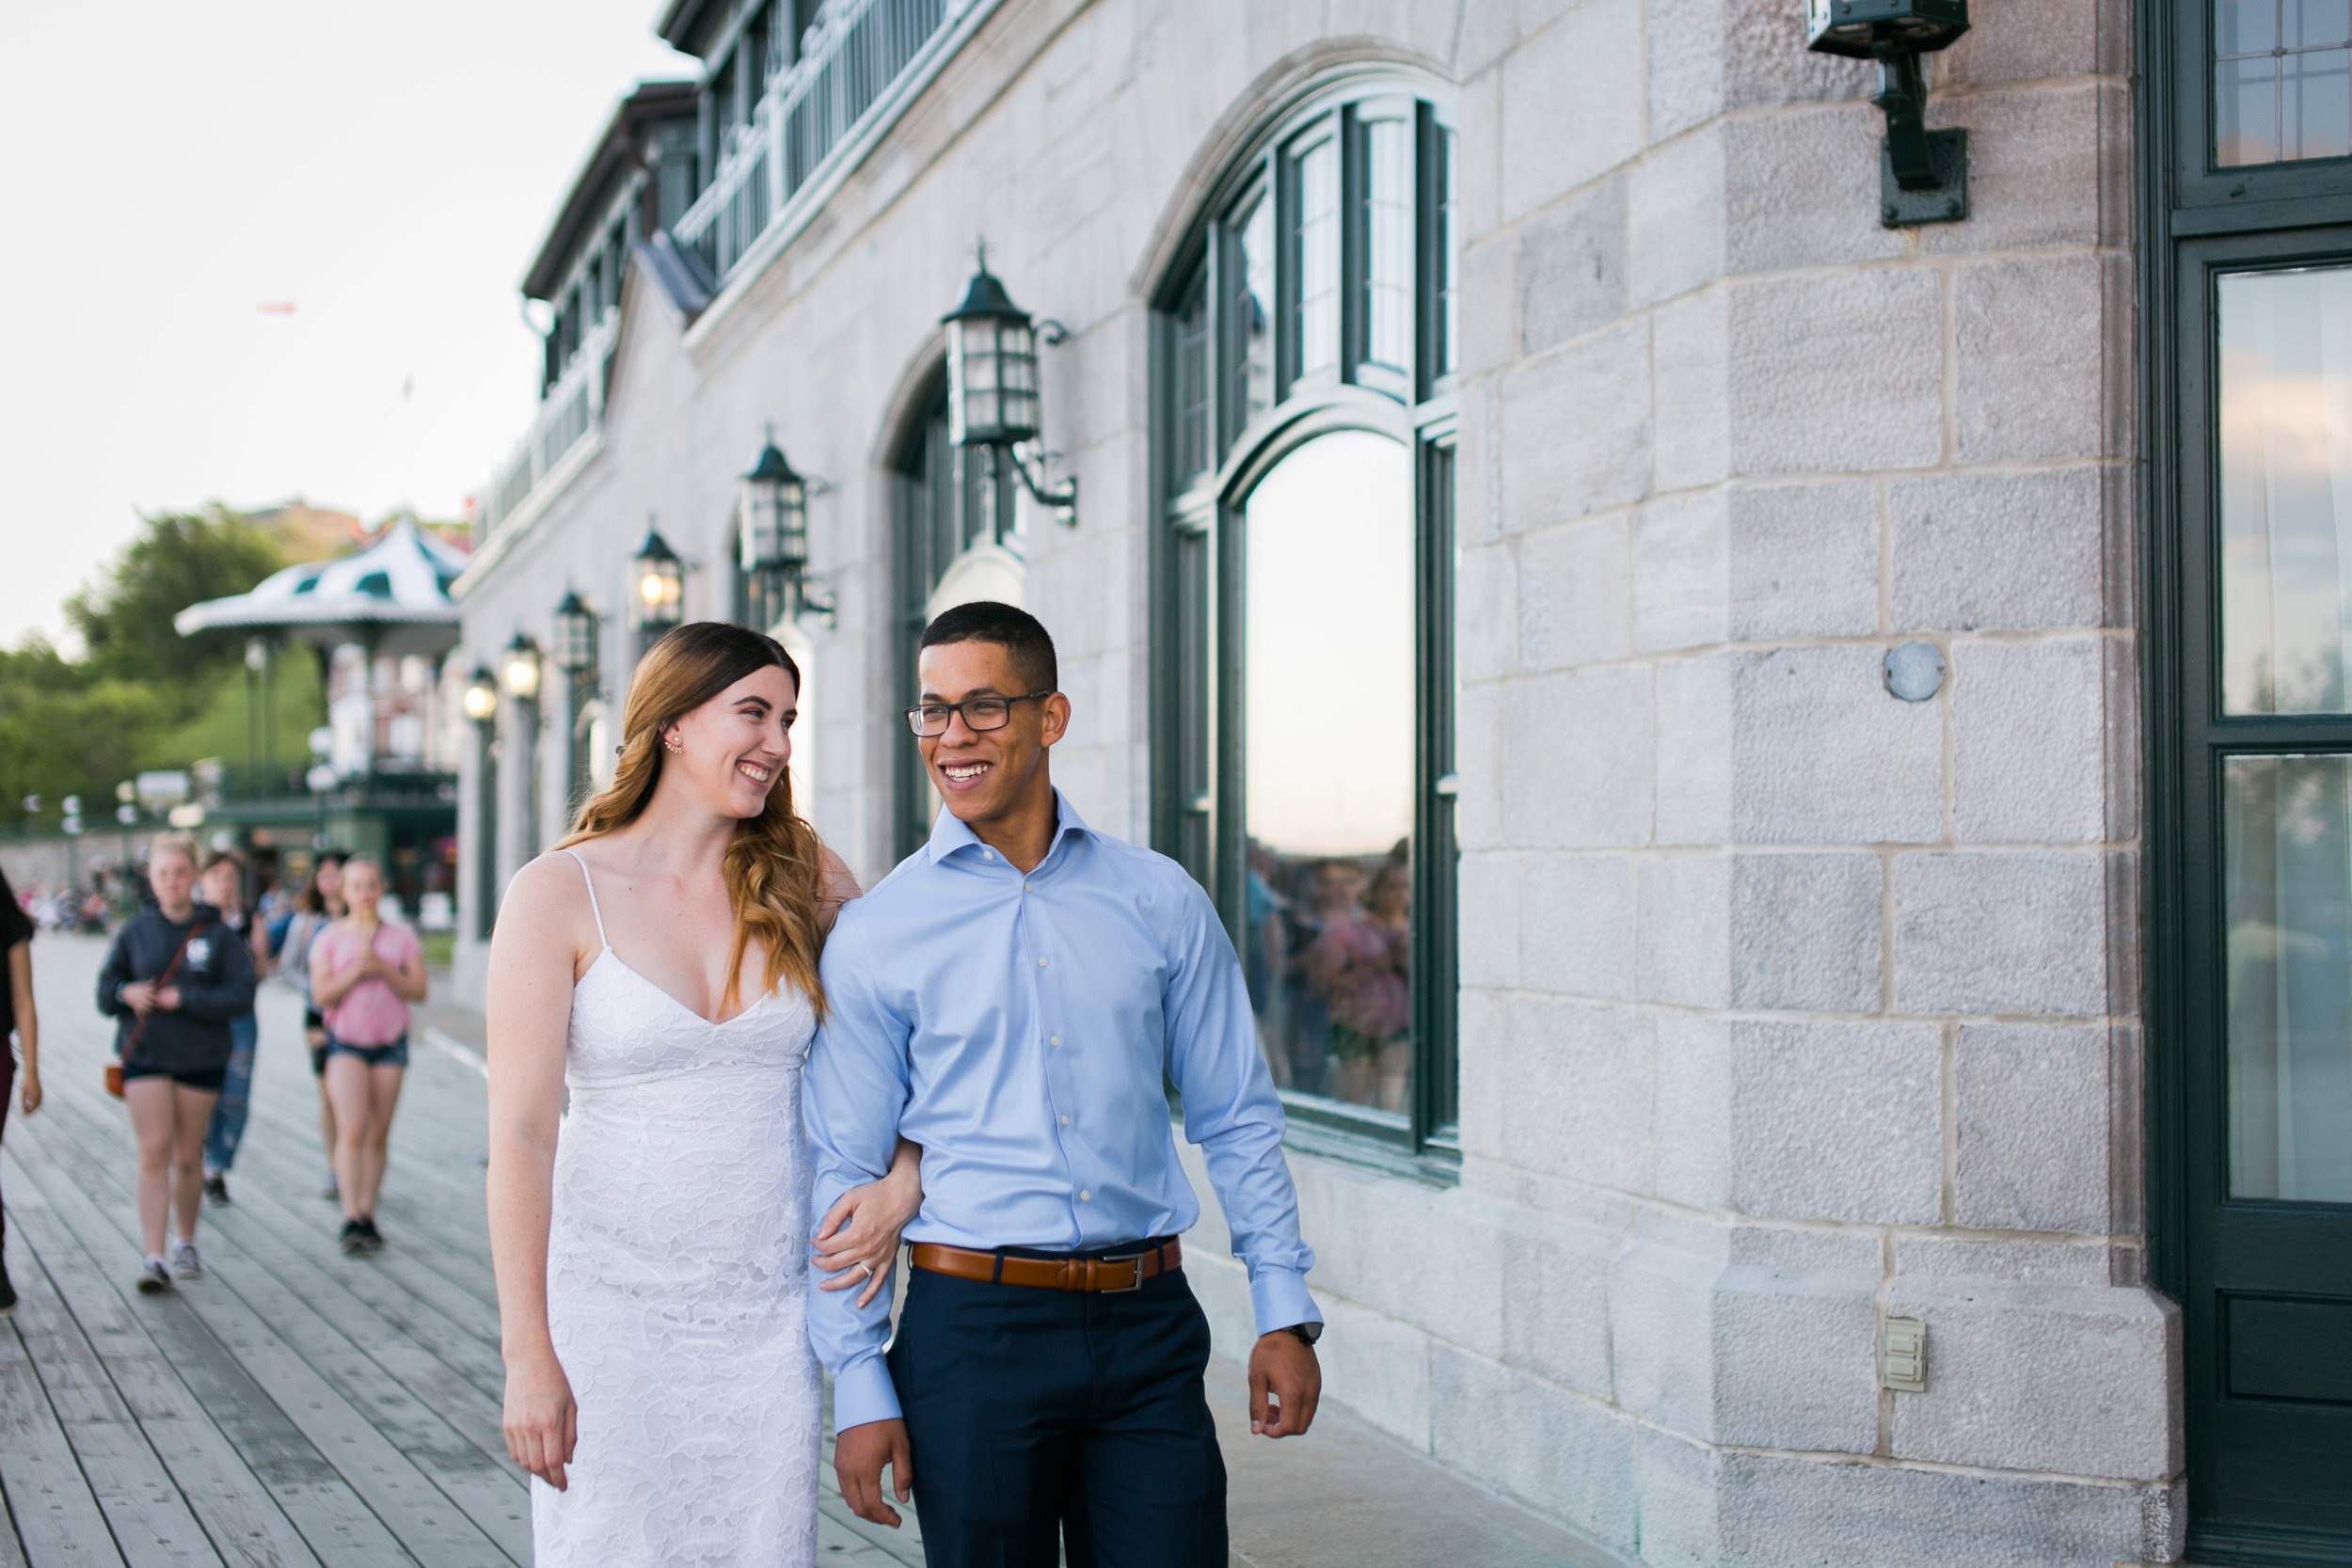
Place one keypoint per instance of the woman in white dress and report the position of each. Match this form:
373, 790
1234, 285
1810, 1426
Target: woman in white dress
649, 1245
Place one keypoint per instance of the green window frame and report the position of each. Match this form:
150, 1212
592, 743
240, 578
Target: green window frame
1316, 297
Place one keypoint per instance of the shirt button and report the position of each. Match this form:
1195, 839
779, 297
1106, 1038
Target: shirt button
1065, 1121
988, 854
1040, 963
1053, 1040
1085, 1196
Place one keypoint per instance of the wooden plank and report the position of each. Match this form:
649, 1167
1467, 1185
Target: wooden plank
57, 1516
261, 1491
228, 1499
435, 1526
152, 1523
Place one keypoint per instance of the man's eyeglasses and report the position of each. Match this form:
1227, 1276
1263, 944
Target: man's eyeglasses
981, 714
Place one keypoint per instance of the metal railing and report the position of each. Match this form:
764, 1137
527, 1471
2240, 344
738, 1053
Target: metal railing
572, 407
850, 60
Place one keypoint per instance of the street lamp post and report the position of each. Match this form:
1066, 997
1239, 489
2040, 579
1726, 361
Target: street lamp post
575, 636
482, 707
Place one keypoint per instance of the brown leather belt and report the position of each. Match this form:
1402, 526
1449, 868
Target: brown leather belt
1127, 1271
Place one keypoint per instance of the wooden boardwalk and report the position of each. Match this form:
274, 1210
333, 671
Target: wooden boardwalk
295, 1406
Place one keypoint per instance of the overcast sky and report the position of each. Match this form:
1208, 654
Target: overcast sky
176, 166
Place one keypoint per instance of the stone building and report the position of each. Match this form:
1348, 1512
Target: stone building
1840, 723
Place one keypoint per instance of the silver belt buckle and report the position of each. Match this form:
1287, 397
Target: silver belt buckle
1137, 1261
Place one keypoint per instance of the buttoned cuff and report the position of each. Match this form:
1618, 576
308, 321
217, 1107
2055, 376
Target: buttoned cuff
1280, 1298
863, 1392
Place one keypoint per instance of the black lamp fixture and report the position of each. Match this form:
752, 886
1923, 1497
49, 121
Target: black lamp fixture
657, 585
481, 696
574, 625
771, 533
1923, 174
521, 668
991, 382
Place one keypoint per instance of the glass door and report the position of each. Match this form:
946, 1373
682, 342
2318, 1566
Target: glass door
2267, 812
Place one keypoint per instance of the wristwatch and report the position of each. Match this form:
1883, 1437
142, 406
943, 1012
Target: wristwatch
1308, 1333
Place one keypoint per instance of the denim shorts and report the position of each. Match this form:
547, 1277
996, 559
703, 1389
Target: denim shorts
395, 1054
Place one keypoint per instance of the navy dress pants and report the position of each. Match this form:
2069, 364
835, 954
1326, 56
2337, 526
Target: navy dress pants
1047, 1419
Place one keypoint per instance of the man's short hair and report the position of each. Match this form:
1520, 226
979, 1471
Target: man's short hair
1015, 631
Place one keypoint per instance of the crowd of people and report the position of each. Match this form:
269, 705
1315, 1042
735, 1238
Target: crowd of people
178, 979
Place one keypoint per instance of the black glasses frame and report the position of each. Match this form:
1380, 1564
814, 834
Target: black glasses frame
915, 714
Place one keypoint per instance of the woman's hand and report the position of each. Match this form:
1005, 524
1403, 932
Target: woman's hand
859, 1240
139, 996
542, 1424
168, 999
31, 1093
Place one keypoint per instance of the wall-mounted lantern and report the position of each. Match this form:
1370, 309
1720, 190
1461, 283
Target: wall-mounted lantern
657, 586
991, 382
771, 536
1923, 174
575, 628
481, 696
521, 668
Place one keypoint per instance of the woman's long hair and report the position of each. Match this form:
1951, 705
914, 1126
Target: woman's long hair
773, 865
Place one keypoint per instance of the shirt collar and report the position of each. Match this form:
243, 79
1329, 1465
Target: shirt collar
951, 833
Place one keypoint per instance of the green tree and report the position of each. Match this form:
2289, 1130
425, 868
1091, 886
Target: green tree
140, 690
179, 559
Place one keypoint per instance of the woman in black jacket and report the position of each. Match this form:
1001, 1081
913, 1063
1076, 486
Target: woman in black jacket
175, 976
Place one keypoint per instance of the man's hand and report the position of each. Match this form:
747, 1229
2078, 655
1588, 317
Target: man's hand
1286, 1383
858, 1457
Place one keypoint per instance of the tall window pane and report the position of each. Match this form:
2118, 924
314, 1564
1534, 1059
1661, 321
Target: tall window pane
1449, 286
1327, 716
1253, 312
1316, 254
2287, 490
2282, 81
1388, 241
1193, 455
2287, 848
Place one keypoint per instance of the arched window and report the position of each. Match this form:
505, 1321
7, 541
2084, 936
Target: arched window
1303, 580
958, 539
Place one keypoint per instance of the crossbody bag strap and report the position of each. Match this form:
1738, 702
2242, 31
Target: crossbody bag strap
161, 981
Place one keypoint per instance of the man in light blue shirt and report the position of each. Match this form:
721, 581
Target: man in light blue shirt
1014, 997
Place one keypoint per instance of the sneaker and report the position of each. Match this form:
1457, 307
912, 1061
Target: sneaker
184, 1262
352, 1239
331, 1191
155, 1280
370, 1236
216, 1190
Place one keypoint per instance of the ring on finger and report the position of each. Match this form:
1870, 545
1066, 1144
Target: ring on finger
865, 1271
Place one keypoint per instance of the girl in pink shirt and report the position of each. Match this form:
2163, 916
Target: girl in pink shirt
363, 975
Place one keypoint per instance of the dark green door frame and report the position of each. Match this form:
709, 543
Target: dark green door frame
2270, 1477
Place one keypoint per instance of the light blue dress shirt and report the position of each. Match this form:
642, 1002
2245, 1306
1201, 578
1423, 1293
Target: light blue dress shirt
1018, 1027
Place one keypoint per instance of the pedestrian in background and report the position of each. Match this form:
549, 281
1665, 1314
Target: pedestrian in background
175, 976
319, 905
223, 886
16, 1013
364, 973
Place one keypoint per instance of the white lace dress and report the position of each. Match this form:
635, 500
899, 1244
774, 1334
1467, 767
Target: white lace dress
678, 1284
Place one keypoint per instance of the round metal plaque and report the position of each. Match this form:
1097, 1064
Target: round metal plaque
1915, 671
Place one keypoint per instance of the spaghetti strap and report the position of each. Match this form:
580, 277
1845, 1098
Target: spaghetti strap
592, 899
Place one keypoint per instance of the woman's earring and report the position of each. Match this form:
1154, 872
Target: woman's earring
670, 743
